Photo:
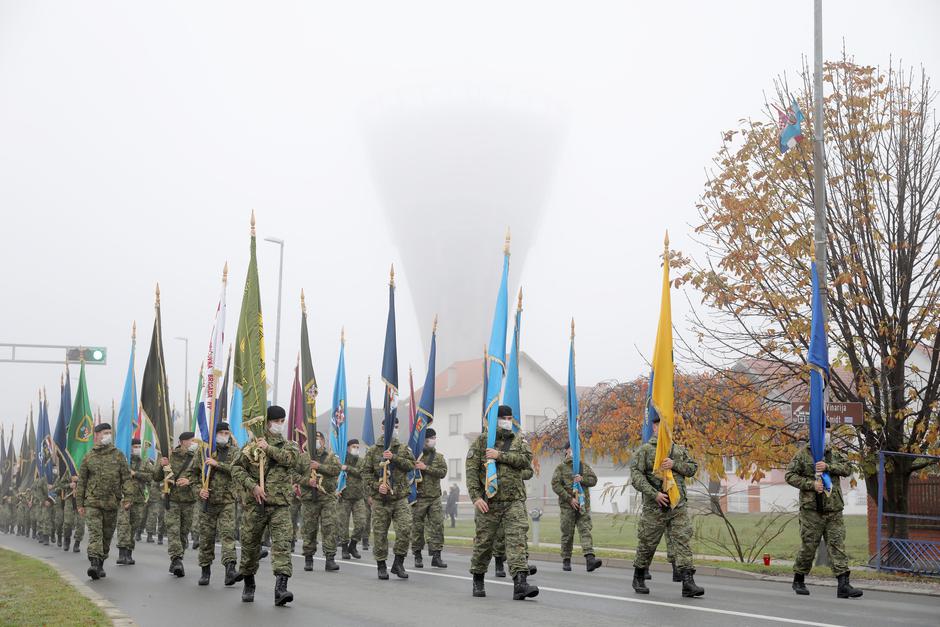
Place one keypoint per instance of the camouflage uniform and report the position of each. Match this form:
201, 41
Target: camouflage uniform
156, 513
218, 513
427, 507
103, 479
499, 544
655, 520
506, 507
58, 509
571, 517
352, 504
280, 459
393, 507
73, 525
319, 504
820, 514
42, 508
129, 519
179, 514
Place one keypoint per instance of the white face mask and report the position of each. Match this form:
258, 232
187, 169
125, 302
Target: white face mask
826, 439
430, 443
106, 439
395, 433
354, 450
135, 452
193, 447
504, 424
221, 439
276, 427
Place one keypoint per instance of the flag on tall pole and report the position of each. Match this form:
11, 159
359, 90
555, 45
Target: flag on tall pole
214, 370
21, 464
128, 414
412, 404
154, 393
789, 123
296, 420
424, 414
511, 391
368, 430
221, 403
250, 392
45, 449
390, 367
81, 427
308, 377
663, 395
818, 359
194, 419
31, 451
574, 432
338, 426
6, 463
67, 419
496, 368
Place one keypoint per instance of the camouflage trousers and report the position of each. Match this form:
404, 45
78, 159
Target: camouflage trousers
22, 519
58, 517
179, 521
814, 526
101, 524
319, 516
295, 518
571, 519
254, 520
653, 523
156, 518
368, 527
128, 521
73, 525
511, 517
217, 520
346, 509
194, 528
44, 514
427, 513
384, 514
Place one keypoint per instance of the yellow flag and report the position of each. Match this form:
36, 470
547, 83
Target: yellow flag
663, 391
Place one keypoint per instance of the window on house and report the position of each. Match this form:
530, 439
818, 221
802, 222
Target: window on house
454, 468
455, 426
531, 423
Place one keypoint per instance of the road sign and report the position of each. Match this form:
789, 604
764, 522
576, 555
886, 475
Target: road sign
837, 413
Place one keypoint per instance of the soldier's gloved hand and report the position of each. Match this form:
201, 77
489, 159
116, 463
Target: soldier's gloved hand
262, 443
576, 478
667, 464
212, 462
127, 505
821, 466
204, 494
182, 482
383, 489
81, 512
481, 505
663, 499
387, 454
575, 504
421, 466
492, 453
259, 494
314, 464
818, 485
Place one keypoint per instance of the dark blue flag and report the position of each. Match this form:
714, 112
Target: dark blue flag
818, 380
423, 415
368, 431
45, 451
390, 368
60, 435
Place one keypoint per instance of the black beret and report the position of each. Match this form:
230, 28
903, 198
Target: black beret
187, 435
430, 433
135, 441
222, 426
504, 410
276, 412
353, 441
104, 426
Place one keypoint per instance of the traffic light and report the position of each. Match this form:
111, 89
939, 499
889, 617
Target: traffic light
97, 355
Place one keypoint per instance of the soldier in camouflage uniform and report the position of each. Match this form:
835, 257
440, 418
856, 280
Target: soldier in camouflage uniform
270, 505
658, 516
821, 515
156, 513
315, 479
389, 501
351, 505
499, 544
572, 513
73, 525
42, 508
427, 507
184, 465
218, 508
129, 519
58, 508
104, 479
504, 509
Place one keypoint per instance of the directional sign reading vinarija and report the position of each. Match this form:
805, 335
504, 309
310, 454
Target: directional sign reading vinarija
837, 413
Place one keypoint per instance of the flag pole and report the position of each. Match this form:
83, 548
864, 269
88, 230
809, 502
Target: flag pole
819, 164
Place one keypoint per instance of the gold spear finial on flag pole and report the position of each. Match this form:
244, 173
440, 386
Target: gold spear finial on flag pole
391, 280
252, 222
519, 303
508, 238
572, 328
303, 302
134, 330
666, 241
158, 294
342, 335
434, 330
225, 273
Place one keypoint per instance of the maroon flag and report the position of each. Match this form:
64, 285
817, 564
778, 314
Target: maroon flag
296, 419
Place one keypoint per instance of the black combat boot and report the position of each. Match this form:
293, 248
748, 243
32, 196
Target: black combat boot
345, 547
639, 581
646, 574
500, 569
521, 590
436, 560
45, 540
66, 542
282, 595
76, 548
331, 564
58, 539
592, 563
176, 567
566, 564
533, 569
845, 590
120, 559
129, 558
419, 561
93, 568
308, 563
137, 535
230, 575
195, 543
383, 573
689, 587
100, 564
149, 538
159, 538
248, 592
365, 543
263, 554
478, 589
398, 567
206, 573
799, 584
676, 575
352, 550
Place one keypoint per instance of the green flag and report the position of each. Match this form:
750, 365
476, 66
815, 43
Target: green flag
250, 377
154, 395
82, 426
195, 419
309, 379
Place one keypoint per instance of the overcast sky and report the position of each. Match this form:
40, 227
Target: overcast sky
135, 138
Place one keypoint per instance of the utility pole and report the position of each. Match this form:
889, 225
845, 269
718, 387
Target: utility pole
277, 337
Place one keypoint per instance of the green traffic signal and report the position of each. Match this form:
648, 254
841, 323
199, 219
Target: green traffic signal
90, 355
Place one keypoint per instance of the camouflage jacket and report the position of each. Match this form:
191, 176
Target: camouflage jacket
563, 483
353, 490
187, 463
103, 478
280, 459
141, 475
221, 485
515, 459
647, 483
327, 473
63, 488
801, 474
371, 468
429, 487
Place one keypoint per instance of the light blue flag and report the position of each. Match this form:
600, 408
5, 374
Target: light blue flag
496, 354
511, 393
235, 418
574, 434
423, 415
128, 414
818, 380
650, 411
338, 436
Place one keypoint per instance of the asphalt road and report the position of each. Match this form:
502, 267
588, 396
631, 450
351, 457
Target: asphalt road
432, 597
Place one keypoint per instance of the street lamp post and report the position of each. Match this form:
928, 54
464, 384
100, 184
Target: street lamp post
185, 340
277, 337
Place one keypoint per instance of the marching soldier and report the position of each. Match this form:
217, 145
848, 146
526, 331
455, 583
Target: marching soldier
42, 508
104, 480
315, 478
658, 516
218, 508
156, 513
181, 472
351, 505
58, 517
427, 507
389, 500
821, 515
506, 508
271, 493
73, 525
129, 520
573, 514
